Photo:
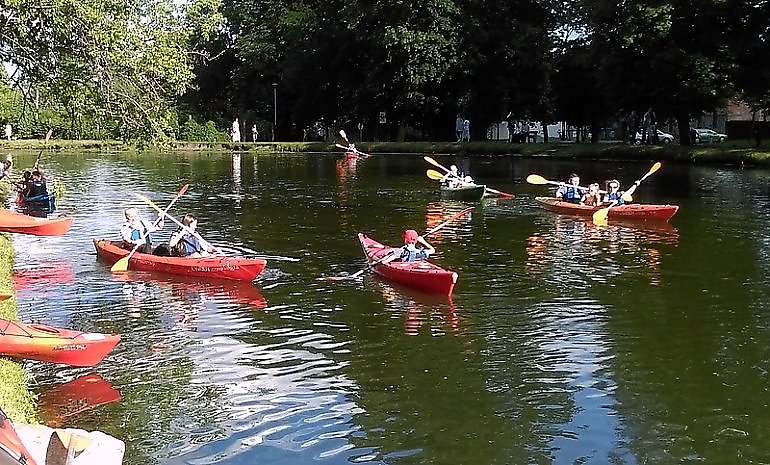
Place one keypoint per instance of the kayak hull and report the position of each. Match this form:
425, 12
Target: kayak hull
54, 345
214, 267
634, 212
471, 192
18, 223
422, 275
11, 445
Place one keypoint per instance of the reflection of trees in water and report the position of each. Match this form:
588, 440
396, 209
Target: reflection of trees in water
576, 251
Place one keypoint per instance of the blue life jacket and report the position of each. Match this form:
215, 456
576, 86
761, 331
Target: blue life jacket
615, 196
413, 255
137, 234
572, 195
37, 188
191, 245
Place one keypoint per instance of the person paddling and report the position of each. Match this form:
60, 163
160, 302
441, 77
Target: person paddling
37, 185
185, 244
411, 251
613, 193
592, 198
136, 231
571, 192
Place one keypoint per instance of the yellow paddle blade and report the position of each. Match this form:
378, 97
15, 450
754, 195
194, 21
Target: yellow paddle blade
627, 198
120, 265
344, 136
435, 175
654, 168
536, 179
600, 216
432, 161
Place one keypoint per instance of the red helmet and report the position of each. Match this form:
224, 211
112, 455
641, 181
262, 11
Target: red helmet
410, 236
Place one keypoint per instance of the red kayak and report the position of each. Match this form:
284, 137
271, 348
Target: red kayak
55, 345
12, 450
633, 211
423, 276
18, 223
214, 267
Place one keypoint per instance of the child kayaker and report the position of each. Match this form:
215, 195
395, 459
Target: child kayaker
592, 198
410, 251
613, 194
186, 244
571, 192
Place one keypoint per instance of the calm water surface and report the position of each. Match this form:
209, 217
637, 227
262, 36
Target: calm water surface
564, 342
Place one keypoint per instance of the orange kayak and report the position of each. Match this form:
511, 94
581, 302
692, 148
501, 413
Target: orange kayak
12, 450
213, 267
18, 223
632, 211
55, 345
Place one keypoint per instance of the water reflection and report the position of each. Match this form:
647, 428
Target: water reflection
43, 276
436, 312
62, 404
438, 212
576, 250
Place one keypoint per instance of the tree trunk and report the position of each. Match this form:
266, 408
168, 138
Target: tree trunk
683, 121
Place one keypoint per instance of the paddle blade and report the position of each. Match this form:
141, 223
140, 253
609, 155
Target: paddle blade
435, 175
120, 266
627, 198
344, 136
654, 168
536, 179
433, 162
48, 135
600, 216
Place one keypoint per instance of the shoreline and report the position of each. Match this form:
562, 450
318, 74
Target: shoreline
743, 153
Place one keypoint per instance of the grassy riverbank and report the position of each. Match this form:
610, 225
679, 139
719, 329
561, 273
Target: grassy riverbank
731, 152
15, 398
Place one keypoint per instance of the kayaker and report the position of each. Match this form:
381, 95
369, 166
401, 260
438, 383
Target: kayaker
571, 192
37, 185
613, 194
185, 244
410, 251
136, 231
455, 179
592, 198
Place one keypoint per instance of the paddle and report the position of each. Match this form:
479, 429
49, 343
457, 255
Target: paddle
345, 137
47, 137
179, 223
600, 216
255, 254
355, 150
390, 254
539, 180
438, 165
122, 264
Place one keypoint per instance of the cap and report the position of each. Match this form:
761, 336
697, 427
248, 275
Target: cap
410, 236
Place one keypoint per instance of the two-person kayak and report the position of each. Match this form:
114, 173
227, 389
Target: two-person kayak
55, 345
12, 450
469, 192
212, 267
633, 211
421, 275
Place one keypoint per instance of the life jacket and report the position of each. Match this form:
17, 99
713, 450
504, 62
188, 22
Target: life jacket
615, 196
188, 246
408, 255
137, 233
572, 195
37, 188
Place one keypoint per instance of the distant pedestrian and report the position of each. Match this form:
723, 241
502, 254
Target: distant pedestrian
646, 121
254, 133
8, 130
236, 130
632, 123
511, 123
459, 124
466, 136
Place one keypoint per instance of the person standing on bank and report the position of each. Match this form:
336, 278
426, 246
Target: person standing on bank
466, 130
459, 124
254, 133
632, 123
236, 130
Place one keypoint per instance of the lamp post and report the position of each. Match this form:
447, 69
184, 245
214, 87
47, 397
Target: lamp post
275, 108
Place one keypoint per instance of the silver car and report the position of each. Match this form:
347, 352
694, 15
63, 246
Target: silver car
708, 135
663, 137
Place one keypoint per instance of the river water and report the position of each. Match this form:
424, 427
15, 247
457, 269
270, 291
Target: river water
563, 343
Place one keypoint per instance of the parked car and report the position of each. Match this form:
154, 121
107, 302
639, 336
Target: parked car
708, 135
663, 137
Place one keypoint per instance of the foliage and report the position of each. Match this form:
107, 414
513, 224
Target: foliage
193, 131
111, 65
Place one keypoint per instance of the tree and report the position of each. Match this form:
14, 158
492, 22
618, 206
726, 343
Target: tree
115, 63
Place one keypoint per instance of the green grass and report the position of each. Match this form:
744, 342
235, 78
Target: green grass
15, 399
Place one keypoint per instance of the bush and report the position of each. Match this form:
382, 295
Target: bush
195, 132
